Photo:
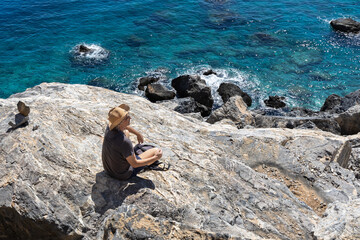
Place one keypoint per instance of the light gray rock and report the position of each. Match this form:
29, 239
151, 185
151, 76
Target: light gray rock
325, 124
340, 221
234, 109
349, 121
224, 182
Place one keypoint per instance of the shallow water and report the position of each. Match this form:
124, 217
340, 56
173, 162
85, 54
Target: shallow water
282, 48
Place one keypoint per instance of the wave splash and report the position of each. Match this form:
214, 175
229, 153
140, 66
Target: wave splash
89, 54
245, 81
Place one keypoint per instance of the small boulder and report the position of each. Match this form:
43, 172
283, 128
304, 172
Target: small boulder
331, 103
227, 90
144, 81
195, 87
349, 121
337, 104
187, 106
275, 102
234, 109
346, 25
350, 100
157, 92
209, 72
84, 49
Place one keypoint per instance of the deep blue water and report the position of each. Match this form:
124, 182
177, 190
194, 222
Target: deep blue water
283, 47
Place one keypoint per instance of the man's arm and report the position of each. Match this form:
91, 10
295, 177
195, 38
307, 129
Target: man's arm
140, 137
135, 163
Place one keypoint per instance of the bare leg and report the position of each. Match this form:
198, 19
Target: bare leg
149, 153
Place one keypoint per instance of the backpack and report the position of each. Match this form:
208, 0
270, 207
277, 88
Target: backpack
140, 148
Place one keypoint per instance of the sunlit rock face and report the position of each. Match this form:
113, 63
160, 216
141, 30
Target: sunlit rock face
224, 182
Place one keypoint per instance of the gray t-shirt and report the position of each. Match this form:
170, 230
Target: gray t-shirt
116, 148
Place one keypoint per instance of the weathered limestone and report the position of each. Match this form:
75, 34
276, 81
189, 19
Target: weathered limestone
224, 182
234, 109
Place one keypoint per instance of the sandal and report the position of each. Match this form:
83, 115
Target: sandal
159, 166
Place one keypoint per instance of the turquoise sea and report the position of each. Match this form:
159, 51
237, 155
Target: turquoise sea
283, 47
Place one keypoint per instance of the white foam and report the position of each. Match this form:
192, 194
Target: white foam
235, 76
96, 52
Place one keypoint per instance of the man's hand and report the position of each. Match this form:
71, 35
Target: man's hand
158, 153
140, 138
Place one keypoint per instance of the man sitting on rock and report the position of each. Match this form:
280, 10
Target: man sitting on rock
118, 157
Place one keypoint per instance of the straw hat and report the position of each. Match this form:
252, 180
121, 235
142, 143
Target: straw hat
23, 109
117, 114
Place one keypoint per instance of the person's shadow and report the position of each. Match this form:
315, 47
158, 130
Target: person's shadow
109, 193
20, 122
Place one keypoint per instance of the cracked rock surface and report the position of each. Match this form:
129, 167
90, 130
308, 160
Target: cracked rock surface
223, 182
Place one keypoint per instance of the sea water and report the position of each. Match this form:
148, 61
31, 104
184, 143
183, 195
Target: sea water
283, 47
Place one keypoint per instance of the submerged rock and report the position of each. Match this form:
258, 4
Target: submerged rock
135, 41
224, 182
346, 25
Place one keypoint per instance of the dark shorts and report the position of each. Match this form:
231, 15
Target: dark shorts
138, 169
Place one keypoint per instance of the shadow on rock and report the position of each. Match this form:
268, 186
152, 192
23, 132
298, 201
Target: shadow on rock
109, 193
20, 122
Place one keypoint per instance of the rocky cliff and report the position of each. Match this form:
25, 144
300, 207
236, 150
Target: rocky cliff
223, 182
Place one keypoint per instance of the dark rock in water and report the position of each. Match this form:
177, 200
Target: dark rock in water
209, 72
333, 101
88, 55
346, 25
195, 87
84, 49
337, 104
157, 92
275, 102
227, 90
144, 81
